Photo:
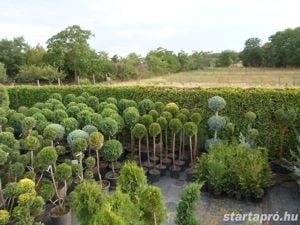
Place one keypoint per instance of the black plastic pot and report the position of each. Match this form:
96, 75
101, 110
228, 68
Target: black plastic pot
105, 185
112, 179
148, 165
180, 163
167, 162
65, 219
154, 175
174, 172
163, 169
190, 175
277, 167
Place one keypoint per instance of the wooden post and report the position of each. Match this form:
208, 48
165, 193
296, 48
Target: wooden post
38, 83
94, 79
78, 80
58, 81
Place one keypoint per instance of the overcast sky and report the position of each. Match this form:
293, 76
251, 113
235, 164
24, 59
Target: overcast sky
124, 26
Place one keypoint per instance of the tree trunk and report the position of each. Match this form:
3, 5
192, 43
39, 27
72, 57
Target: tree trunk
31, 157
132, 145
58, 81
161, 149
196, 146
180, 145
191, 151
166, 144
98, 166
140, 154
38, 83
113, 169
154, 153
173, 150
148, 150
94, 79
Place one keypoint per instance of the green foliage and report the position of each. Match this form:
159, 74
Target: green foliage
145, 106
4, 217
31, 143
154, 129
46, 190
15, 121
172, 108
90, 162
162, 122
187, 206
89, 129
226, 58
79, 145
59, 130
216, 123
4, 98
3, 75
235, 169
132, 180
216, 103
46, 157
139, 130
70, 124
175, 125
108, 126
293, 165
125, 103
146, 120
59, 115
96, 140
131, 116
7, 138
75, 135
86, 200
190, 128
111, 150
252, 55
63, 172
152, 205
17, 169
106, 217
3, 156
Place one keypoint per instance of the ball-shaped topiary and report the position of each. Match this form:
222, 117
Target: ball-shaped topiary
125, 103
167, 115
39, 117
106, 112
101, 106
39, 105
154, 129
56, 96
69, 98
76, 134
82, 106
23, 110
111, 100
185, 111
146, 120
216, 123
15, 121
95, 119
70, 124
159, 106
172, 108
60, 130
139, 130
73, 111
253, 133
4, 217
162, 122
120, 121
108, 126
175, 125
60, 149
3, 156
80, 99
7, 138
154, 114
46, 190
46, 157
112, 150
230, 127
3, 122
28, 123
32, 111
131, 116
111, 106
63, 172
84, 118
93, 102
50, 133
48, 114
59, 115
216, 103
90, 162
85, 94
145, 106
79, 145
17, 169
196, 118
183, 118
190, 128
96, 140
89, 129
31, 143
60, 107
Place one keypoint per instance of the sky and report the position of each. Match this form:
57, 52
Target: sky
124, 26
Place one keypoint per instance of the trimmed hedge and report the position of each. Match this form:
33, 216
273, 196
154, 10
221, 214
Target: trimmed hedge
261, 101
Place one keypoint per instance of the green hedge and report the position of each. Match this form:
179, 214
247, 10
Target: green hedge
261, 101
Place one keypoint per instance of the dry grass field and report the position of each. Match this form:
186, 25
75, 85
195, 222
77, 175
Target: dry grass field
223, 77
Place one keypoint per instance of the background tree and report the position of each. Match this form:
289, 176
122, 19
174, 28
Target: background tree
252, 55
3, 75
226, 58
35, 55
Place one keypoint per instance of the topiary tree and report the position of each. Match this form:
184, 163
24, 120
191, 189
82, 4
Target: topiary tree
108, 127
8, 139
152, 206
190, 129
17, 170
86, 200
69, 124
59, 115
196, 118
84, 117
120, 121
111, 100
168, 116
164, 126
154, 131
31, 144
105, 216
28, 123
159, 107
106, 112
15, 121
154, 114
96, 140
186, 208
3, 122
3, 159
285, 120
132, 180
46, 190
145, 106
251, 134
54, 132
46, 158
139, 131
69, 98
76, 134
216, 122
111, 151
172, 108
146, 120
89, 129
125, 103
93, 102
131, 117
73, 110
79, 146
183, 118
4, 217
175, 126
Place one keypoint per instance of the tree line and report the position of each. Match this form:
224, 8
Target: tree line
69, 56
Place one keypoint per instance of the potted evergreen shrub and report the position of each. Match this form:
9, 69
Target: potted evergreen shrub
168, 116
31, 144
139, 131
146, 120
96, 140
175, 126
109, 127
111, 151
154, 131
164, 126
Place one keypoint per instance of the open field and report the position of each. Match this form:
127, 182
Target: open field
224, 77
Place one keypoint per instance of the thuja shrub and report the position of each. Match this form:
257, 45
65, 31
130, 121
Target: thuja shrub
235, 169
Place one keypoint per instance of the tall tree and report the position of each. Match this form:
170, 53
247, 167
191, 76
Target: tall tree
70, 51
13, 54
252, 55
226, 58
35, 56
3, 75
